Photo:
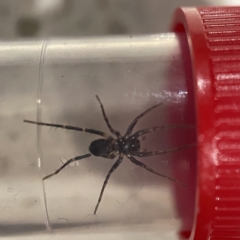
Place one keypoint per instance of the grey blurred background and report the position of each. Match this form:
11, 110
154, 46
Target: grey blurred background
58, 18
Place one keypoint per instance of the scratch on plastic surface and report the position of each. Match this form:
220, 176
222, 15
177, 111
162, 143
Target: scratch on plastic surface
127, 199
39, 113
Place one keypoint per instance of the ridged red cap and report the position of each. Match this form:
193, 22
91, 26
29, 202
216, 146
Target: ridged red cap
213, 35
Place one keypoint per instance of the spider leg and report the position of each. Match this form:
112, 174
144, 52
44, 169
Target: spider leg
116, 133
152, 153
67, 163
88, 130
142, 165
153, 129
114, 167
134, 122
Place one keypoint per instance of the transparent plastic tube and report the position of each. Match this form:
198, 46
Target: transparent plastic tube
56, 81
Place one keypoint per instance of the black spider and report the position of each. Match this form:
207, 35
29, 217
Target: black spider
109, 147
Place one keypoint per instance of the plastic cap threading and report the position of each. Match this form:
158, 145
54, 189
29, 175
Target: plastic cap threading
213, 36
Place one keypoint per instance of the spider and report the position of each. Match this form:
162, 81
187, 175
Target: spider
127, 145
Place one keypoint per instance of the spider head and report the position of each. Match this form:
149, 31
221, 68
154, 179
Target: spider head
128, 145
103, 148
132, 145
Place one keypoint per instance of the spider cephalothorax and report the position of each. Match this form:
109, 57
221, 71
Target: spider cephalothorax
128, 145
110, 147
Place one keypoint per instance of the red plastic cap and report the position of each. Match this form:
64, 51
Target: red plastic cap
213, 35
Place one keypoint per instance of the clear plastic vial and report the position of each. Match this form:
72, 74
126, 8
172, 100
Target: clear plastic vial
56, 81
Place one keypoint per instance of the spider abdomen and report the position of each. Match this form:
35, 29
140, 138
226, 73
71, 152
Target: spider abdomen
103, 148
